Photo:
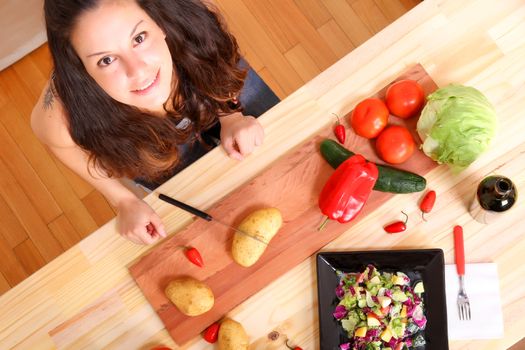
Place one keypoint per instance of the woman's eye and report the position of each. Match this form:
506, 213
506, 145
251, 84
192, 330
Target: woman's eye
140, 38
105, 61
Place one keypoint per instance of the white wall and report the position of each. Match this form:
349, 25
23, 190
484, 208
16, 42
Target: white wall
22, 29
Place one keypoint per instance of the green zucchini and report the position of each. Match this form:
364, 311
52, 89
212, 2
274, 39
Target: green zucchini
389, 180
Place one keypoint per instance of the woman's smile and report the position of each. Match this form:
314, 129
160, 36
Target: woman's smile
148, 87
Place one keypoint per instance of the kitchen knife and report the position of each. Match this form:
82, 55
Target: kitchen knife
204, 215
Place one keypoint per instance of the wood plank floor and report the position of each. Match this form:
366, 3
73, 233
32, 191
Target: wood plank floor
45, 208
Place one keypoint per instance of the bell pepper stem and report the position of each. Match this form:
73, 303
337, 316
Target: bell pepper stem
323, 224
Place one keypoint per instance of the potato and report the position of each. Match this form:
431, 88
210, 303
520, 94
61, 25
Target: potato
232, 336
263, 224
190, 296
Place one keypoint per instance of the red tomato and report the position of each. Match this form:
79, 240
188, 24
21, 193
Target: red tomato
369, 118
211, 334
405, 98
373, 315
385, 310
395, 144
400, 346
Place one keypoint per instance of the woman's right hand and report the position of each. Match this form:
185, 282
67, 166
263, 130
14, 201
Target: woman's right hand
139, 223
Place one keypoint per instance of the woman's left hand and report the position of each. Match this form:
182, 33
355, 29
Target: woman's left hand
240, 134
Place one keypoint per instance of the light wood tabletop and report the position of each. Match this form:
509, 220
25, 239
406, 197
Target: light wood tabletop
86, 298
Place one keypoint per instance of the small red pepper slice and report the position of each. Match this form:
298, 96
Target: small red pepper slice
339, 131
211, 334
194, 256
398, 226
346, 191
427, 203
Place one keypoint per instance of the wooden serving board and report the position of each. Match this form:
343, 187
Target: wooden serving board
291, 184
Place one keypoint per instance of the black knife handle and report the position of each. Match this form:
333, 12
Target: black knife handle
185, 207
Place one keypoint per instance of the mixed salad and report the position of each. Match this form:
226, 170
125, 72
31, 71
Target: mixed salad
380, 310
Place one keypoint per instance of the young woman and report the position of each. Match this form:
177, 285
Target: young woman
140, 89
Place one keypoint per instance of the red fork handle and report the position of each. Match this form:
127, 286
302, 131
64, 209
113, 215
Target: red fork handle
459, 250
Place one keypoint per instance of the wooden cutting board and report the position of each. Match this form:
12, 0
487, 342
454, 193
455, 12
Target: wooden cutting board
291, 184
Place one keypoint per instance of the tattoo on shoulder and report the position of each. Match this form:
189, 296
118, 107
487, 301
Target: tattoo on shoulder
48, 97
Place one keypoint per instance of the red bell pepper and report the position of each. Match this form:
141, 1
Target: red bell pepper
347, 190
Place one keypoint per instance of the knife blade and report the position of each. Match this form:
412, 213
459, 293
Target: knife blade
203, 215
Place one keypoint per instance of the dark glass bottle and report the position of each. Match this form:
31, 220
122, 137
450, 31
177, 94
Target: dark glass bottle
495, 195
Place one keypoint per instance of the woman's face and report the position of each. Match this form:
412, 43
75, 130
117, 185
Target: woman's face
125, 52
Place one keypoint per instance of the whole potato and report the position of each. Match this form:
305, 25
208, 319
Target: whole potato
232, 336
263, 224
190, 296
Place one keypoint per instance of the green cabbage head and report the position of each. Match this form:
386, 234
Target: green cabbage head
457, 124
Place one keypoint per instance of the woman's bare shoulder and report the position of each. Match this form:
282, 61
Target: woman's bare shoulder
49, 120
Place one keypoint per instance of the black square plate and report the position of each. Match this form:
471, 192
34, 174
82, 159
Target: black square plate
427, 265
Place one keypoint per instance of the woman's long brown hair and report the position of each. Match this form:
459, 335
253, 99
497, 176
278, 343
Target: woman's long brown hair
120, 139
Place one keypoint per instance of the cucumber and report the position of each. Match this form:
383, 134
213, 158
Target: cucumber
389, 180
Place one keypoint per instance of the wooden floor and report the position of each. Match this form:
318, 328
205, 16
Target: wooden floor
45, 208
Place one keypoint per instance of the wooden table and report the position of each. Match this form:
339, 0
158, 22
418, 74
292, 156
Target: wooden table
86, 298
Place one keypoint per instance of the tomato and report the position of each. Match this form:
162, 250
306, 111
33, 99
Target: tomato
385, 310
395, 144
211, 334
373, 315
400, 346
369, 118
405, 98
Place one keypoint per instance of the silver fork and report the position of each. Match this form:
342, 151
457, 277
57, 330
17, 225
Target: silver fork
463, 302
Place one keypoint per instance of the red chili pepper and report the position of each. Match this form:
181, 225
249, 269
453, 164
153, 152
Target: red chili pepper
398, 226
427, 203
346, 191
194, 256
211, 334
339, 131
293, 347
